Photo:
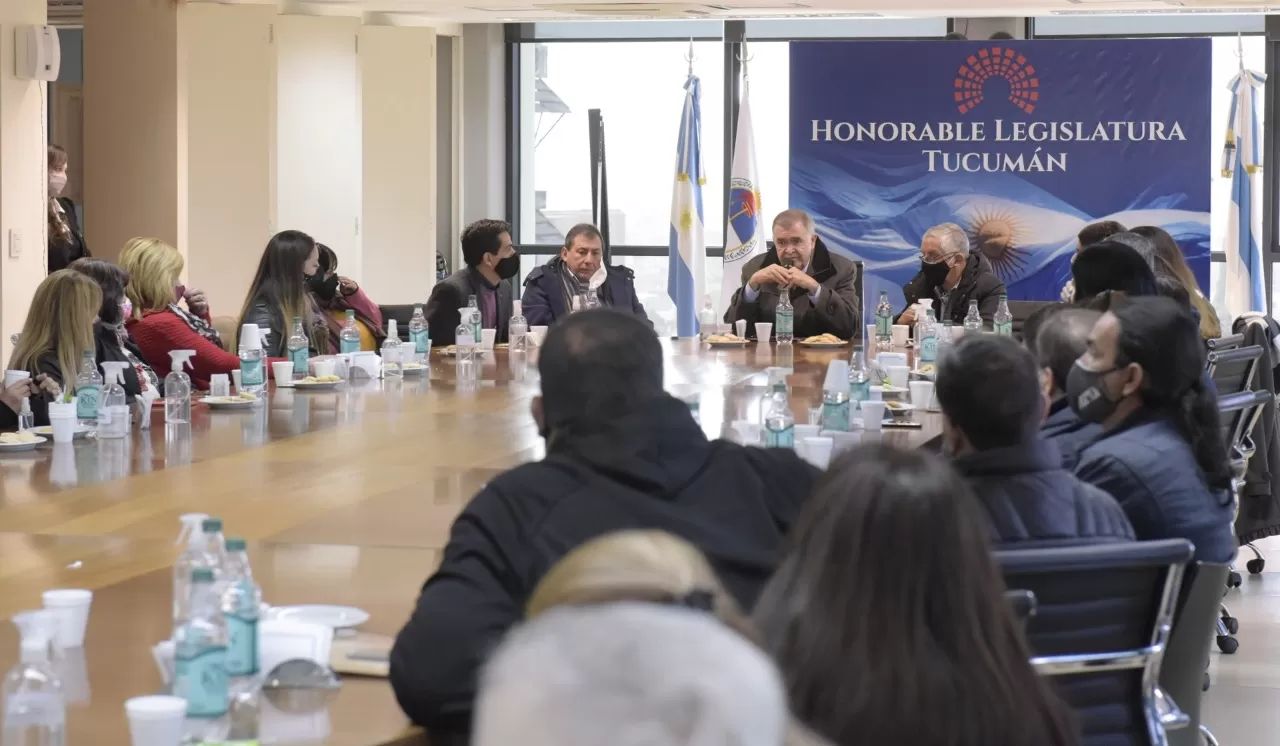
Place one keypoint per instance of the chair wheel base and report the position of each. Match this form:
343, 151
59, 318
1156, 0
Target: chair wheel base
1228, 644
1232, 624
1234, 580
1255, 566
1204, 687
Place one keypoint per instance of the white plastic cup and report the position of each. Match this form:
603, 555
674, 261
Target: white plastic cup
876, 393
13, 376
282, 371
323, 368
764, 332
409, 353
62, 419
872, 415
899, 375
891, 358
156, 720
71, 607
235, 379
539, 334
219, 385
922, 394
818, 451
901, 332
740, 328
487, 338
801, 434
871, 334
747, 432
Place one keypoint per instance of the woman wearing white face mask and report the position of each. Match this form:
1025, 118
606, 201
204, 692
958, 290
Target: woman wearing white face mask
66, 239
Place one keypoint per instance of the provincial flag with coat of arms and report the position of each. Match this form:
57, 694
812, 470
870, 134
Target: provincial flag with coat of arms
745, 237
688, 249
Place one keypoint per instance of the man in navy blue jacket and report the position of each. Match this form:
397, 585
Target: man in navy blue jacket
1060, 340
579, 278
992, 406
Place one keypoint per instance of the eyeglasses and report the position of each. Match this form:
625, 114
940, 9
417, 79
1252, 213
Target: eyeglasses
924, 258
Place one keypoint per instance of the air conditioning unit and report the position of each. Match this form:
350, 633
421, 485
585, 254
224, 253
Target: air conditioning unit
36, 53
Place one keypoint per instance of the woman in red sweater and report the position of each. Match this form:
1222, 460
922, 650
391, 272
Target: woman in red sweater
160, 325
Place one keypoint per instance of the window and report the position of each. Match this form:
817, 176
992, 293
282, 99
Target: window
639, 89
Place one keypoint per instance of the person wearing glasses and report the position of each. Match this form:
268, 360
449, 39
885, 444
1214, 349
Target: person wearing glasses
822, 286
950, 276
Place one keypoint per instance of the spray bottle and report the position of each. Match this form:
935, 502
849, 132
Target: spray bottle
35, 710
191, 558
115, 405
177, 388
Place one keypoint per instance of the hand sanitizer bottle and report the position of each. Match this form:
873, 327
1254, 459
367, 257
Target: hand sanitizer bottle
200, 651
241, 605
419, 332
392, 366
191, 558
253, 378
35, 710
113, 415
177, 388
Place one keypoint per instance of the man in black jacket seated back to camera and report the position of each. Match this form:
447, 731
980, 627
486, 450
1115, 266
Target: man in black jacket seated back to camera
1060, 341
621, 454
992, 407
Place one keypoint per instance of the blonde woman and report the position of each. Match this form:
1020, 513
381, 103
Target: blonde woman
58, 330
159, 325
647, 566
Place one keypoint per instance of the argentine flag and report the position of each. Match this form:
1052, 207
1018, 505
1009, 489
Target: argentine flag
688, 250
745, 235
1243, 247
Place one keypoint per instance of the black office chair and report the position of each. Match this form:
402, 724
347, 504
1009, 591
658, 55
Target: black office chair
1239, 413
1022, 603
1232, 370
1182, 674
1225, 343
1103, 617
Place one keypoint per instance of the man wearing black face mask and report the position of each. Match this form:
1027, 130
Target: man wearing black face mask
491, 263
950, 277
336, 295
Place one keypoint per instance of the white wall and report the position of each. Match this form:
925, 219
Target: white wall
230, 112
398, 82
318, 141
484, 148
23, 181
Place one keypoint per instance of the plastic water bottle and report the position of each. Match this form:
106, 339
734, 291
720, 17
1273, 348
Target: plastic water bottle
177, 388
200, 651
1003, 320
784, 318
35, 710
927, 337
706, 319
113, 414
88, 390
465, 352
299, 349
859, 378
973, 320
518, 327
191, 558
779, 425
349, 337
392, 365
884, 322
241, 607
253, 377
419, 332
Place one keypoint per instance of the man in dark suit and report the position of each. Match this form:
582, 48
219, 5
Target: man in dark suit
491, 262
579, 275
823, 286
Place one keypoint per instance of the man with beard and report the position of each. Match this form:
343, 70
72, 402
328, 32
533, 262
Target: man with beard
822, 286
950, 276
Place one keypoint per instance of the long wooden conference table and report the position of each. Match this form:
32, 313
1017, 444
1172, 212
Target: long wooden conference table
346, 497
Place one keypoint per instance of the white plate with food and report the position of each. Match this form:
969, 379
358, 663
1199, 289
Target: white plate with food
318, 383
926, 370
888, 389
452, 351
822, 341
726, 341
46, 431
239, 401
414, 369
18, 442
899, 408
336, 617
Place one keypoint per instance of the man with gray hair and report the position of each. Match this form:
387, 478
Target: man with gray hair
950, 277
822, 286
629, 673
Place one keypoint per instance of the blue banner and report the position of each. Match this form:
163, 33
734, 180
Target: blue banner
1021, 143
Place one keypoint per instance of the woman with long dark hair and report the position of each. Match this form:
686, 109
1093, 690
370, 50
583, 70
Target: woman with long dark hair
1172, 264
278, 294
111, 340
887, 619
1161, 454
